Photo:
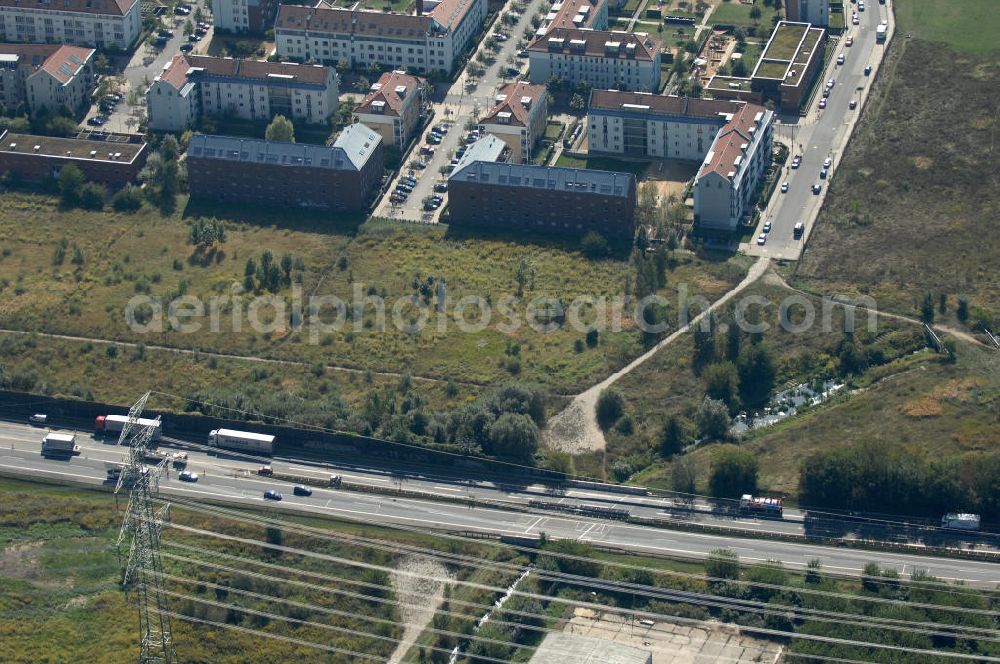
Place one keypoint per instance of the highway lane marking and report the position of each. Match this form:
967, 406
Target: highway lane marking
446, 488
586, 532
533, 524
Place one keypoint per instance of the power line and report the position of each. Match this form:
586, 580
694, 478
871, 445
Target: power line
581, 604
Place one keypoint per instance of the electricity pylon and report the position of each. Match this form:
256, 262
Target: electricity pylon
143, 571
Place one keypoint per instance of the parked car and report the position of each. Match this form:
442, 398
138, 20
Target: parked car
822, 103
784, 187
817, 187
271, 494
95, 121
187, 476
854, 104
300, 490
828, 162
849, 42
441, 187
193, 38
502, 37
187, 48
761, 239
841, 59
832, 82
420, 165
513, 71
854, 20
767, 227
868, 70
441, 128
433, 139
796, 161
822, 174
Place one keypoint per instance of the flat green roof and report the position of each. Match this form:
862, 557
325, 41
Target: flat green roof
785, 41
771, 69
729, 83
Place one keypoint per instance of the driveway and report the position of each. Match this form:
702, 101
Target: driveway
822, 134
463, 102
146, 64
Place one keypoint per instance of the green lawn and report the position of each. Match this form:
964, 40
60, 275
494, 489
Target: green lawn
733, 12
603, 164
784, 42
970, 26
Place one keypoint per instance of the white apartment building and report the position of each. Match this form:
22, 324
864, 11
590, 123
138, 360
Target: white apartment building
392, 107
816, 12
518, 118
45, 76
578, 14
192, 86
242, 16
96, 23
600, 58
644, 125
726, 186
433, 39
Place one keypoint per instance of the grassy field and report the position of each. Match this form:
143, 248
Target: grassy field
669, 383
603, 164
911, 210
735, 13
969, 26
149, 255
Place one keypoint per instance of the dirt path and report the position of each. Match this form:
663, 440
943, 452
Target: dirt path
418, 587
575, 429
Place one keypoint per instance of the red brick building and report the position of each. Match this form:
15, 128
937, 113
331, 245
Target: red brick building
109, 159
340, 177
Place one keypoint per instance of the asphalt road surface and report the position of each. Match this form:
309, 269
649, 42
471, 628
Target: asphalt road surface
821, 134
221, 481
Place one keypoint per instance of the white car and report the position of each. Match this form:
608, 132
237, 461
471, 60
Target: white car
38, 418
832, 82
761, 239
796, 161
784, 187
850, 41
840, 59
187, 476
828, 162
854, 104
767, 227
854, 20
822, 103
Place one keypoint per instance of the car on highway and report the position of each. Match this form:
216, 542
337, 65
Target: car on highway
832, 82
849, 42
796, 161
767, 227
868, 70
855, 20
828, 162
761, 239
822, 174
38, 418
266, 471
817, 187
841, 59
861, 6
300, 490
784, 187
826, 92
822, 103
798, 230
187, 476
853, 105
272, 494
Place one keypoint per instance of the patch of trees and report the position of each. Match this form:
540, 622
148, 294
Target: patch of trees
272, 275
872, 477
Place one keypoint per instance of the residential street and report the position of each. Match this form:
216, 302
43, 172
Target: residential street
821, 134
460, 104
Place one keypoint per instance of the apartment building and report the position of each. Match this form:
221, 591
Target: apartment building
579, 14
602, 59
816, 12
432, 39
392, 107
726, 187
486, 193
45, 76
192, 86
340, 177
648, 126
96, 23
244, 16
518, 118
114, 161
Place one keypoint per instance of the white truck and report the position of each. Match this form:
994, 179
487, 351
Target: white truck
243, 441
113, 424
956, 521
60, 443
880, 33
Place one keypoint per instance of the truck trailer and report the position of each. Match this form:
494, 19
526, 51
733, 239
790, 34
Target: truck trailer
60, 443
113, 425
243, 441
960, 521
773, 507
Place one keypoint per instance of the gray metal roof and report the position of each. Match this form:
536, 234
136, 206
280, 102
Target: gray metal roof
488, 148
563, 648
350, 152
554, 178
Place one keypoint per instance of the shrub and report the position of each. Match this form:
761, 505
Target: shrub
594, 245
610, 406
127, 199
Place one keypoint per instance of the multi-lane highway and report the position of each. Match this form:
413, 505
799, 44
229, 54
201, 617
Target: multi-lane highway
233, 482
822, 133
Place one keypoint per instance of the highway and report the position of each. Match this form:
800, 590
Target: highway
222, 481
821, 134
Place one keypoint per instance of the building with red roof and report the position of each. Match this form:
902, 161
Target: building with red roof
392, 107
518, 118
96, 23
45, 76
